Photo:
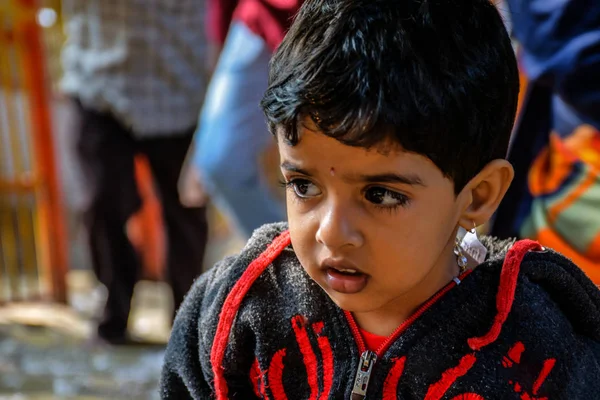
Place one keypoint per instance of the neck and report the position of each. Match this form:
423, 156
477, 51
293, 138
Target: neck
385, 321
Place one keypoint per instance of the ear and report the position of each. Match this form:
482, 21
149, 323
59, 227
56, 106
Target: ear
483, 194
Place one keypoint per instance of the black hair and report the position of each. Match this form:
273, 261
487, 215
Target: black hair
437, 77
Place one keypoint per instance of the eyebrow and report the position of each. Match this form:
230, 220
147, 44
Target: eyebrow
390, 177
288, 166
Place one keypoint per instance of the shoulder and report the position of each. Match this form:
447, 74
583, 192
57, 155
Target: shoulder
536, 302
218, 293
543, 291
572, 295
210, 290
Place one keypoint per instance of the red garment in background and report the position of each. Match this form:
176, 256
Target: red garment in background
269, 19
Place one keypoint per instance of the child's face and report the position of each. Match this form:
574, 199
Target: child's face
375, 230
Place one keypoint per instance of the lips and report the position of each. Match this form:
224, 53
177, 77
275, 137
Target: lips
343, 277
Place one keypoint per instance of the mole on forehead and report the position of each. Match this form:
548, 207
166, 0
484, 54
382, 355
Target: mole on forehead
332, 171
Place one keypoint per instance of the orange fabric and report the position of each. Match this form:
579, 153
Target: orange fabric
562, 156
593, 251
551, 239
551, 167
145, 229
585, 142
523, 83
554, 211
578, 154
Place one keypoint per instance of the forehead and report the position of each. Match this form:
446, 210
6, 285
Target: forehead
317, 151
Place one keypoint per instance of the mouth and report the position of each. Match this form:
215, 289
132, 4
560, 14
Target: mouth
344, 278
347, 271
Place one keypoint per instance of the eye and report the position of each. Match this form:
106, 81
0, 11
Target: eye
385, 198
303, 188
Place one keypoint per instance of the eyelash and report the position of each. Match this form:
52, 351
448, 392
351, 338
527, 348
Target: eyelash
290, 186
402, 199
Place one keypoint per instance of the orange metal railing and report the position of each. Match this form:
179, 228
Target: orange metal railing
33, 256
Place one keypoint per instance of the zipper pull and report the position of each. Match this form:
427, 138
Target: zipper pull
363, 374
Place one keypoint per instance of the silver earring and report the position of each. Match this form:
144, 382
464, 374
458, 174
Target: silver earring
470, 244
461, 259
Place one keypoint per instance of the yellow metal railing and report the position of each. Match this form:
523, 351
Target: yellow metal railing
33, 257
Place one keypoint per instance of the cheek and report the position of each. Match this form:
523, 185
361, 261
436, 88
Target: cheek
296, 209
305, 250
414, 240
295, 216
302, 234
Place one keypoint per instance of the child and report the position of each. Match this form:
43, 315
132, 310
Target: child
392, 120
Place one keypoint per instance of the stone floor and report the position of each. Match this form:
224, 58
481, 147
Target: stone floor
45, 350
45, 354
38, 362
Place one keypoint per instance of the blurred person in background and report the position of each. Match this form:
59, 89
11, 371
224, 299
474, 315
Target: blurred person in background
232, 140
555, 197
137, 73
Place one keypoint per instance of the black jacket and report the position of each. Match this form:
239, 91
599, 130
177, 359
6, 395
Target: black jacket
256, 326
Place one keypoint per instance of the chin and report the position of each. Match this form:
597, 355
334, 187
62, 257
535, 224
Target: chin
354, 303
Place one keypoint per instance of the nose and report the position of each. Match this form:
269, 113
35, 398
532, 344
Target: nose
338, 226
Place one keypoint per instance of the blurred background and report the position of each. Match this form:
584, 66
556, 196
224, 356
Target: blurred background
50, 298
133, 155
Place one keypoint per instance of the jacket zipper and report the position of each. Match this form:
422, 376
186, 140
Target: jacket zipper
369, 358
363, 374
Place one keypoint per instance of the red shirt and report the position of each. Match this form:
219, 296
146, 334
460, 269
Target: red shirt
269, 19
372, 341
